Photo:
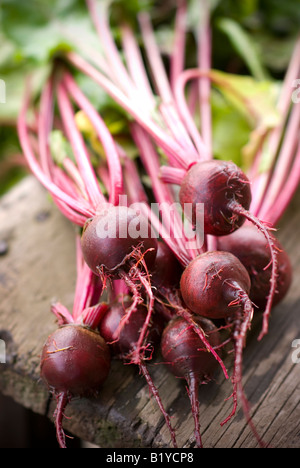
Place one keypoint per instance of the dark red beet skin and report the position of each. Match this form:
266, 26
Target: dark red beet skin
109, 239
216, 184
127, 341
130, 333
75, 361
183, 351
187, 357
211, 282
251, 248
166, 271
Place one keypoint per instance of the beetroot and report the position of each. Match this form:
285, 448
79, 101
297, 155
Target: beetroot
222, 191
112, 239
118, 244
187, 358
212, 282
125, 343
75, 361
216, 285
165, 278
220, 186
251, 248
166, 271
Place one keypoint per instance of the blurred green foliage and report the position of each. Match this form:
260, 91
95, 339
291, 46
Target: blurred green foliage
250, 37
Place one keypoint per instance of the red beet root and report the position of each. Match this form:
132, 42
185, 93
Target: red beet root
111, 237
75, 361
225, 192
219, 185
212, 283
128, 341
216, 285
166, 271
250, 247
125, 342
187, 357
117, 244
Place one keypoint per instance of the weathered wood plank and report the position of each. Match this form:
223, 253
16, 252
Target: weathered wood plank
37, 265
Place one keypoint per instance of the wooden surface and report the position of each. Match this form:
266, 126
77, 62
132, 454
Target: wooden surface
37, 265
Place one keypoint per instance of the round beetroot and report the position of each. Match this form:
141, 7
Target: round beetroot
211, 284
110, 238
126, 341
166, 271
75, 361
187, 357
213, 188
251, 248
185, 354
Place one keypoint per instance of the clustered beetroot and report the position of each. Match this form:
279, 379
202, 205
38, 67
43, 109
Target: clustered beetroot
238, 267
125, 342
109, 241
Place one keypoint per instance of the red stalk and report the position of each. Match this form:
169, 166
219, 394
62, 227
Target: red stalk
76, 205
135, 109
204, 61
113, 160
79, 149
178, 55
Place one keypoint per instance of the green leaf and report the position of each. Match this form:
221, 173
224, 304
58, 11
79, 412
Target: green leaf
15, 89
60, 148
255, 99
41, 29
255, 102
231, 130
244, 46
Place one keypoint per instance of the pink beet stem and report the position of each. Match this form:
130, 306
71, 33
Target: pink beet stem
135, 109
172, 175
153, 54
26, 144
92, 316
79, 148
178, 53
161, 192
283, 164
186, 116
204, 61
263, 179
62, 314
164, 88
136, 66
88, 286
286, 194
44, 126
99, 17
113, 160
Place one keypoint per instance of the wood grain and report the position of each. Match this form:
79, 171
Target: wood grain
37, 266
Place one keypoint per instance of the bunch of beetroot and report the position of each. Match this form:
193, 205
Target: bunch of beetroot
191, 277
